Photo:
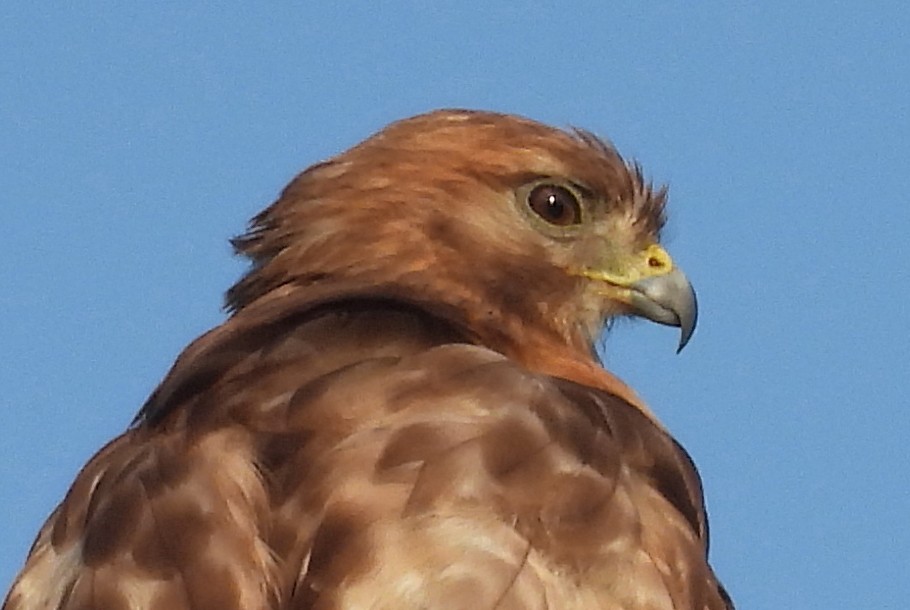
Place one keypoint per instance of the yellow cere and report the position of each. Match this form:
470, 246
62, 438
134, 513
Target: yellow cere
654, 260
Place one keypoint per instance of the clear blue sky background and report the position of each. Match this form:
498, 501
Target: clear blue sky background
135, 141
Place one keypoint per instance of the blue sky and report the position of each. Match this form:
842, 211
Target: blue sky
135, 140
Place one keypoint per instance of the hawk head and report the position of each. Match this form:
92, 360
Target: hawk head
518, 232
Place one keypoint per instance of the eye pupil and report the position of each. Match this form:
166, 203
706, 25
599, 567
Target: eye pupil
556, 209
555, 204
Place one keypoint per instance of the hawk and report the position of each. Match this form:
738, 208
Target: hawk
404, 408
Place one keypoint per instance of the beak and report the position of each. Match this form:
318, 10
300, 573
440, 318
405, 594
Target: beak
651, 286
667, 299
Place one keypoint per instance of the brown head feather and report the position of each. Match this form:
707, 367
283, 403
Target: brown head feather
402, 179
425, 209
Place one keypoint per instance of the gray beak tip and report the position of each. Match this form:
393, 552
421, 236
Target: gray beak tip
687, 322
668, 299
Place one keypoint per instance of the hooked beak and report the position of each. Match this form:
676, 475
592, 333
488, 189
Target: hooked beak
667, 299
651, 286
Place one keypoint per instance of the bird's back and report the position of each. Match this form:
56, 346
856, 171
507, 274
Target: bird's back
365, 456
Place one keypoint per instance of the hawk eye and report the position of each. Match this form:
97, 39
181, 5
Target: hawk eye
555, 204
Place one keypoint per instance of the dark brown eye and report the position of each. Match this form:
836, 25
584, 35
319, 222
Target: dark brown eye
555, 204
